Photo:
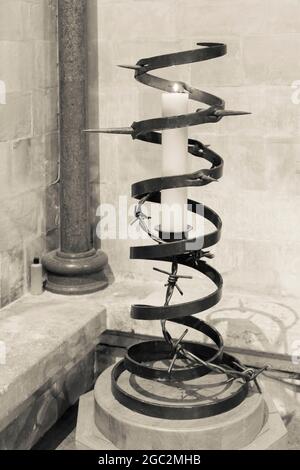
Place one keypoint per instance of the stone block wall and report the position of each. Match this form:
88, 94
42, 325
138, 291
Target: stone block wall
258, 197
28, 139
259, 194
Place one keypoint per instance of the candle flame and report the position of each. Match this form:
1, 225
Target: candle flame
177, 88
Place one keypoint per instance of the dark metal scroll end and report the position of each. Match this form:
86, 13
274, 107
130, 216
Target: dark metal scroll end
209, 179
110, 130
199, 175
228, 112
130, 67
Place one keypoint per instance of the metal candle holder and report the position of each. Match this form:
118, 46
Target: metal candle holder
199, 359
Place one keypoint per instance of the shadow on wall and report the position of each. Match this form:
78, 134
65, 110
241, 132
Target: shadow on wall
263, 328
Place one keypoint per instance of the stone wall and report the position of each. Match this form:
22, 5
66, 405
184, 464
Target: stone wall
259, 194
258, 197
28, 139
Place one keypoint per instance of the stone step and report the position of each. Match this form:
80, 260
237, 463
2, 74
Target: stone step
47, 346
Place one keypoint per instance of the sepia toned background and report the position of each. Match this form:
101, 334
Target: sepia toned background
258, 197
48, 342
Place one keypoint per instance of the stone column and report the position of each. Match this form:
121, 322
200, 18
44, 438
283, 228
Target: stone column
76, 268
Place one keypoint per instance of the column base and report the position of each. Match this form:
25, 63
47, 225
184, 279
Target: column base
75, 274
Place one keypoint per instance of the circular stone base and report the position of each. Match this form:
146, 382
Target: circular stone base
127, 429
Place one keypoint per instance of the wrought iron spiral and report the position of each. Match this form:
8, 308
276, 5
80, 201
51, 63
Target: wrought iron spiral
199, 359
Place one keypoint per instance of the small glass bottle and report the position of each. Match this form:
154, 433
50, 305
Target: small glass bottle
36, 277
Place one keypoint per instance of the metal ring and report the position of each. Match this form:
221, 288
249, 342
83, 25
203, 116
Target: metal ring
181, 412
140, 354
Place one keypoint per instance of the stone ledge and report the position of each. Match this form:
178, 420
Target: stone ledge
44, 337
42, 410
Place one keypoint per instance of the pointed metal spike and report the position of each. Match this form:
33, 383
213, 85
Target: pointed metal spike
208, 254
181, 338
230, 380
172, 363
209, 178
112, 130
178, 288
257, 385
131, 67
133, 221
228, 112
161, 271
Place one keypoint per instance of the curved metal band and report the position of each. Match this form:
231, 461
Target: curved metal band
165, 252
184, 252
170, 312
182, 411
150, 351
180, 250
153, 186
209, 51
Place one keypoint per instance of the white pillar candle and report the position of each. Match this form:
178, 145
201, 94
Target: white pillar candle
174, 162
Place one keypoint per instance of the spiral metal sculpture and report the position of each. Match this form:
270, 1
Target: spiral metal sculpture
199, 359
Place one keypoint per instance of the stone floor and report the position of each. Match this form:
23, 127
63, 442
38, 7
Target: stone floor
254, 323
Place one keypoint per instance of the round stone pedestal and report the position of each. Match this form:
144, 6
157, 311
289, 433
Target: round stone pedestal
128, 430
